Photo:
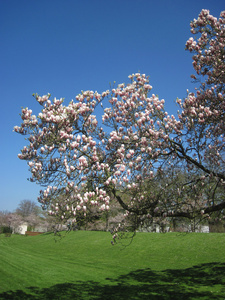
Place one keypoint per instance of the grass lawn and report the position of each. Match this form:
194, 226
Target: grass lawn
84, 265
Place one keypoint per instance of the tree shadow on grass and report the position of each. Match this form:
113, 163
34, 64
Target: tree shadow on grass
206, 281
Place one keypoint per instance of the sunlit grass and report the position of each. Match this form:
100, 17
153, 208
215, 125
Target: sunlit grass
85, 265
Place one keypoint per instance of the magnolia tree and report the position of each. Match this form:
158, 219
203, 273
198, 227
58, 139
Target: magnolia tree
123, 145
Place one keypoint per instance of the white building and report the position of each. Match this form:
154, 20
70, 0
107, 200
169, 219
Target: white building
21, 229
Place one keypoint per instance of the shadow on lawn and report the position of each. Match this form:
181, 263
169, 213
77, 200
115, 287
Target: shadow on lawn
192, 283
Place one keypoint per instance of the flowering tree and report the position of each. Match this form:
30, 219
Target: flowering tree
15, 221
153, 164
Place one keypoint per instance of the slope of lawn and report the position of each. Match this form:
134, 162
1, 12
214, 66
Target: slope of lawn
84, 265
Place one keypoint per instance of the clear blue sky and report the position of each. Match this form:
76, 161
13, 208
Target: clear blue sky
63, 47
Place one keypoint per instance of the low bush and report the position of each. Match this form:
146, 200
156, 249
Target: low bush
5, 229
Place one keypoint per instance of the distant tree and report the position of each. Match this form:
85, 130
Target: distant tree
14, 220
28, 207
4, 217
134, 152
33, 221
4, 224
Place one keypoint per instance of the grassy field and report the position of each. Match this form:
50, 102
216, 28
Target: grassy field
84, 265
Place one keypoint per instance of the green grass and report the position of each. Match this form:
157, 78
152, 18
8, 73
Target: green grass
84, 265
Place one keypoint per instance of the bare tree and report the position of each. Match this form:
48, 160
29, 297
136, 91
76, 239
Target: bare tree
28, 207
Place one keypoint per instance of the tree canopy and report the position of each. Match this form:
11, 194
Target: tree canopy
122, 143
27, 207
